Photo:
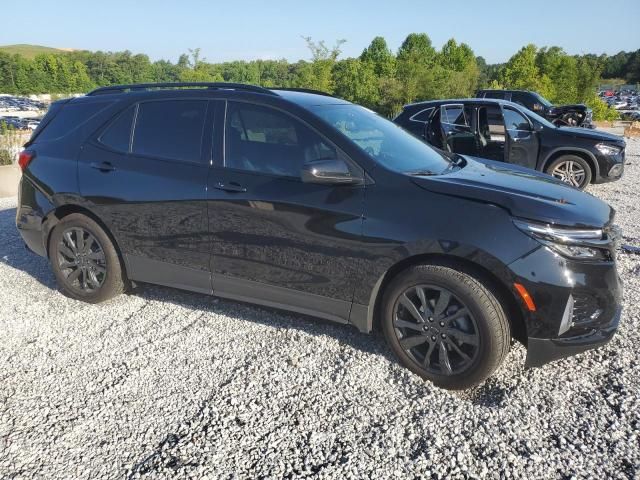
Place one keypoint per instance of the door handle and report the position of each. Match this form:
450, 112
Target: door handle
230, 187
103, 167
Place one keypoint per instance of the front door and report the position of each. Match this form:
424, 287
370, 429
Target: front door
275, 239
145, 175
522, 140
456, 127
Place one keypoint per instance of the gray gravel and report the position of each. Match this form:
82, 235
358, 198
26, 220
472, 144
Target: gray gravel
165, 384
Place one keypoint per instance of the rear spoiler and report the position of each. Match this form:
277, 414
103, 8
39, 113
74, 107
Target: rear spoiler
53, 110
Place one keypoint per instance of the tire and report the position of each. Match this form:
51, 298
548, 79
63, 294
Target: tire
84, 260
472, 314
565, 168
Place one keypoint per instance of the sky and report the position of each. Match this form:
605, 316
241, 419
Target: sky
250, 29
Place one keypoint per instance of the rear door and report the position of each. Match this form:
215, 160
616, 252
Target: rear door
491, 132
522, 141
456, 127
145, 175
275, 239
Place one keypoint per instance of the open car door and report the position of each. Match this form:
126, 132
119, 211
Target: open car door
522, 141
458, 135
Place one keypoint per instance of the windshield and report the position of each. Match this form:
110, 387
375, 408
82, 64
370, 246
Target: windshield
383, 140
542, 100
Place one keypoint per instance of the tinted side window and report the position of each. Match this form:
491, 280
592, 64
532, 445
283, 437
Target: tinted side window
265, 140
522, 99
170, 129
515, 121
118, 134
498, 95
70, 117
455, 115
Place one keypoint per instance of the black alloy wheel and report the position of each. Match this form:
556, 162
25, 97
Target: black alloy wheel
84, 260
81, 259
445, 325
436, 329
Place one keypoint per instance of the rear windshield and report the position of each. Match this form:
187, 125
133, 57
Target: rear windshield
70, 117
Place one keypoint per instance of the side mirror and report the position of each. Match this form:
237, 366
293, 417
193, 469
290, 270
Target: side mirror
329, 172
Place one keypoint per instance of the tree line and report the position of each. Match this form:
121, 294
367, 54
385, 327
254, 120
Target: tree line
379, 78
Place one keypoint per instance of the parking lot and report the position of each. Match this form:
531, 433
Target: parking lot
164, 383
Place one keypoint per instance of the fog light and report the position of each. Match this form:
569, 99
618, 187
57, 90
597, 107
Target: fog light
567, 317
616, 170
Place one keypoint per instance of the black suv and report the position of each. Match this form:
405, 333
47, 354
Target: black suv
306, 202
503, 131
574, 115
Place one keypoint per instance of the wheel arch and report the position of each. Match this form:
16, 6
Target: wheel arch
504, 295
586, 155
54, 217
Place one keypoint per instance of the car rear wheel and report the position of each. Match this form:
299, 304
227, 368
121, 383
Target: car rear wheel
84, 260
445, 326
571, 169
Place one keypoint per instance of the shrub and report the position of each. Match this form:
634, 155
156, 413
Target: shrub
6, 157
601, 111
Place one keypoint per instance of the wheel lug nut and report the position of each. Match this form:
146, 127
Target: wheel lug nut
443, 336
442, 324
433, 338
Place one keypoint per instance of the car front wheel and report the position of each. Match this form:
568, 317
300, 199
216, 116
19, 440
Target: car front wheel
445, 326
84, 260
571, 169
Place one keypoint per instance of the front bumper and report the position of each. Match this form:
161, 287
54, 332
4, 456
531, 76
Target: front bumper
578, 304
541, 351
606, 164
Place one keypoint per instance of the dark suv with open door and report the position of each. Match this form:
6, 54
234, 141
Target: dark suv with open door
573, 115
506, 132
305, 202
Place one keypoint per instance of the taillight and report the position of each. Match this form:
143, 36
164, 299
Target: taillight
25, 158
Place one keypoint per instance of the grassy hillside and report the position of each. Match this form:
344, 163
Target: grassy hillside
30, 51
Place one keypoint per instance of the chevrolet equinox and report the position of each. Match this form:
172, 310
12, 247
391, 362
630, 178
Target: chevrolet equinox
301, 201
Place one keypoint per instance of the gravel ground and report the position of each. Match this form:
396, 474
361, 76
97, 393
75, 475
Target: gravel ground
166, 384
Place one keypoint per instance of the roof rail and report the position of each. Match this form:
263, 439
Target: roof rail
151, 86
303, 90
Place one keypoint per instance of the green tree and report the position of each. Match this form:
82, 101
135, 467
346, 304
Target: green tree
380, 56
356, 81
521, 72
317, 74
417, 48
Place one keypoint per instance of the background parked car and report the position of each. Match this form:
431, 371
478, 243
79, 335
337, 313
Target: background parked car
575, 115
504, 131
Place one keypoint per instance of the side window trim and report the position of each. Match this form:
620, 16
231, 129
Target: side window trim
412, 118
134, 122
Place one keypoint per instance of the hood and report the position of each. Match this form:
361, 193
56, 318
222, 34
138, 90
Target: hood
580, 107
590, 134
523, 192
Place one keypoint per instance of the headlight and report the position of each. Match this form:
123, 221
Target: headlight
605, 149
579, 244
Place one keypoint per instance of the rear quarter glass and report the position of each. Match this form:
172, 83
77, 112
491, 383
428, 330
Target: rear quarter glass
70, 117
